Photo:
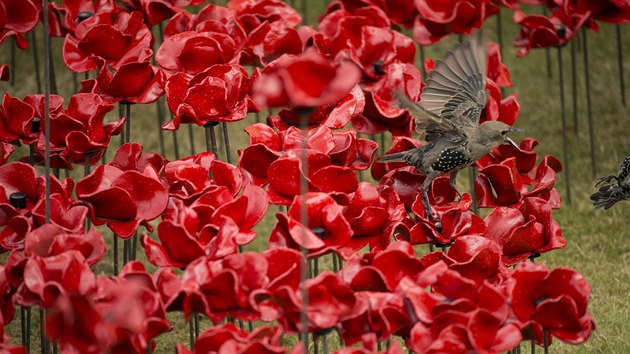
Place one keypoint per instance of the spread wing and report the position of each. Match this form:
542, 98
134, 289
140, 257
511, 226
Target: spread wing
456, 88
431, 126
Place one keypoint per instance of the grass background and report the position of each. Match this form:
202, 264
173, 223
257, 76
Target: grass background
597, 243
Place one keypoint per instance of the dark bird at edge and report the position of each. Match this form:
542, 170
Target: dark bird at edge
613, 189
447, 118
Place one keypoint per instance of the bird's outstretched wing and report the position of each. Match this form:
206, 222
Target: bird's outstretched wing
430, 126
456, 88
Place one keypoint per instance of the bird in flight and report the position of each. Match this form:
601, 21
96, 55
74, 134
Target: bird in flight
613, 189
447, 118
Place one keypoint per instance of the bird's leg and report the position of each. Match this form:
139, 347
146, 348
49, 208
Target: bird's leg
453, 179
425, 195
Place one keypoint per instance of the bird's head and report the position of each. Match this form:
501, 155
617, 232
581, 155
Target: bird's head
494, 133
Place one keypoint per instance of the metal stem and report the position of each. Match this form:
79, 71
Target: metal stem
304, 221
13, 61
191, 332
547, 50
589, 107
622, 83
473, 177
574, 89
115, 254
226, 140
175, 145
86, 172
191, 137
42, 331
28, 330
196, 317
565, 143
533, 348
160, 120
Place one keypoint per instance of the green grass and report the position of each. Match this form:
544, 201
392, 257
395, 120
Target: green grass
597, 243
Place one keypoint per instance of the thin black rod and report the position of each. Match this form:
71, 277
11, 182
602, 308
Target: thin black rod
13, 61
47, 113
115, 254
533, 348
75, 82
191, 332
257, 117
226, 140
160, 120
125, 252
28, 330
175, 145
38, 75
473, 195
422, 59
23, 325
191, 137
159, 104
86, 172
196, 317
547, 49
574, 89
31, 154
208, 144
382, 143
622, 83
42, 331
134, 246
589, 107
304, 221
213, 140
563, 116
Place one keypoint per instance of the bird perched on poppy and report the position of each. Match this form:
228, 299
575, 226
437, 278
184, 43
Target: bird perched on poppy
447, 118
610, 193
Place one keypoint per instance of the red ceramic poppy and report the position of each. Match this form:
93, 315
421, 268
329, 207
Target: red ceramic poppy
66, 273
382, 271
554, 301
524, 230
217, 94
227, 338
609, 11
382, 112
373, 216
510, 175
138, 197
64, 18
540, 32
115, 37
266, 10
476, 258
375, 316
51, 240
16, 120
439, 18
18, 18
156, 11
326, 230
193, 52
334, 116
134, 82
308, 80
210, 18
78, 132
18, 220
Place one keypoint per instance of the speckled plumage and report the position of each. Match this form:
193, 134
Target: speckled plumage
447, 117
613, 189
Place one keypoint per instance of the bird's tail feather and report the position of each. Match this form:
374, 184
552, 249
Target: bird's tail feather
607, 196
397, 157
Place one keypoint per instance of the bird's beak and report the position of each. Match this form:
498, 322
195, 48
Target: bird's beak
513, 143
517, 130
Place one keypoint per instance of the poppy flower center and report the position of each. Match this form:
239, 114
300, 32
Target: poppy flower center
378, 67
18, 200
319, 232
537, 301
84, 15
36, 125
